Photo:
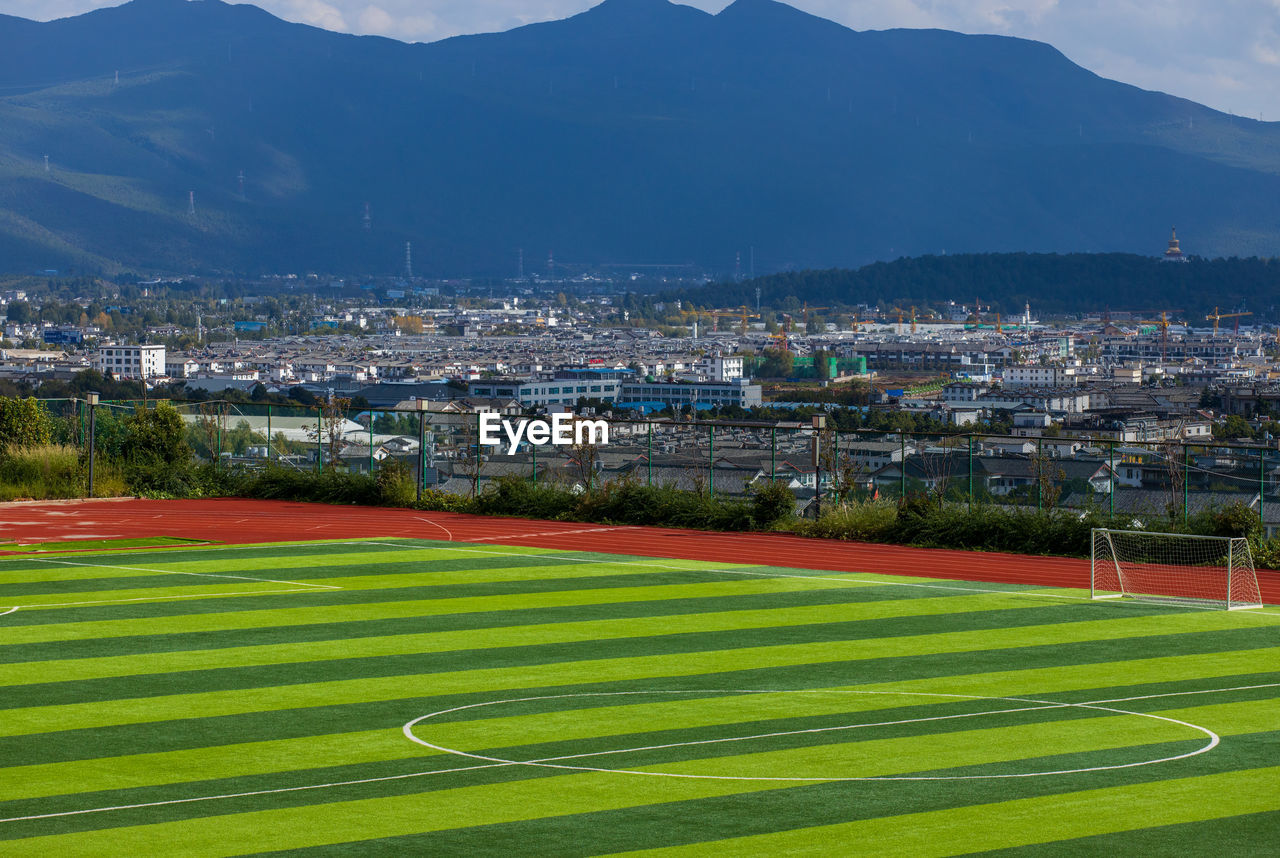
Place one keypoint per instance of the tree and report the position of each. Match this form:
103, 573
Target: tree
777, 363
213, 426
24, 423
156, 436
1234, 426
333, 413
20, 312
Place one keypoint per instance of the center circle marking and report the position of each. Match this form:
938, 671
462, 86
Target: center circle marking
556, 762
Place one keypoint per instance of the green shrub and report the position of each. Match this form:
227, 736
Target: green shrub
772, 503
277, 482
434, 500
512, 495
395, 484
862, 521
628, 502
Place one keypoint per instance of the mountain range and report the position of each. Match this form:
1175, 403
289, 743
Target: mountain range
638, 132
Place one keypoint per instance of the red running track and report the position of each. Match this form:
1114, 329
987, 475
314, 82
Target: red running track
233, 520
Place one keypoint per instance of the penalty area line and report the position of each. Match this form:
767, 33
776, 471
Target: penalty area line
299, 584
160, 599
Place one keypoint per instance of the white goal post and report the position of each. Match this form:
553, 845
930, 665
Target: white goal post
1173, 568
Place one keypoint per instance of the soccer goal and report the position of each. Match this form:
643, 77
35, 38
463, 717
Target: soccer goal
1174, 568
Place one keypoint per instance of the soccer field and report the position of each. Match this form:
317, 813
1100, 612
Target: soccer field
406, 697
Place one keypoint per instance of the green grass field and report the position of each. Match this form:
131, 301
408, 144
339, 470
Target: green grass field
409, 697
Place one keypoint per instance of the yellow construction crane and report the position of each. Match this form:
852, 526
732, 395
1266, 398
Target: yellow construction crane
782, 339
1215, 316
913, 320
742, 313
1163, 324
808, 323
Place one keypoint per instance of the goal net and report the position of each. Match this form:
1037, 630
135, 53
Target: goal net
1174, 568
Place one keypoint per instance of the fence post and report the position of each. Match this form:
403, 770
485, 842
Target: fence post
1186, 474
319, 439
93, 414
711, 459
1039, 477
1112, 477
370, 442
835, 464
479, 460
534, 450
902, 465
650, 456
970, 473
773, 454
819, 422
1262, 489
269, 433
422, 445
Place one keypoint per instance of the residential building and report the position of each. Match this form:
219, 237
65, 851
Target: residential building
131, 362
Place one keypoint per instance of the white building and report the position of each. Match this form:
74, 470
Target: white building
1039, 376
130, 362
719, 368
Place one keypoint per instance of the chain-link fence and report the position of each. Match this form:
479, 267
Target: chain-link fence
447, 448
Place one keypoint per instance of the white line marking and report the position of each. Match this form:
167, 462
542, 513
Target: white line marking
441, 526
551, 533
552, 762
504, 764
179, 572
860, 581
1186, 693
163, 598
248, 794
8, 612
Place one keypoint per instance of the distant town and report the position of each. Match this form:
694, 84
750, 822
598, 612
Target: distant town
1088, 389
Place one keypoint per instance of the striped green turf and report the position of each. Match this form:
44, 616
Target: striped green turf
240, 700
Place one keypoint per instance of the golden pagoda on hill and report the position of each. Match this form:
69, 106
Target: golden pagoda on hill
1174, 252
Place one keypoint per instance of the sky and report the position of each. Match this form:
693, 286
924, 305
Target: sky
1222, 53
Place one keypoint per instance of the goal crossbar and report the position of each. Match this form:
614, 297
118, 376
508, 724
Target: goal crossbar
1173, 568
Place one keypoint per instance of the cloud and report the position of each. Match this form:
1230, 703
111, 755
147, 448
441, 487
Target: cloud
317, 13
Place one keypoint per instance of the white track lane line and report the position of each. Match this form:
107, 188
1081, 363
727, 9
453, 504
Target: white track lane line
447, 531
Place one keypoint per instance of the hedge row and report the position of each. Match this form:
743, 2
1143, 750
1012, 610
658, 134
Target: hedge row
915, 521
